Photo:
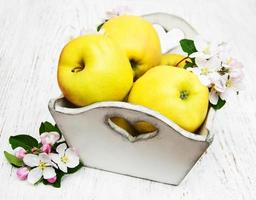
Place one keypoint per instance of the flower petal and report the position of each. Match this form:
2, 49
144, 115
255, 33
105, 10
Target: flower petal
199, 55
200, 62
73, 159
214, 63
205, 80
31, 160
63, 167
50, 137
200, 43
34, 175
45, 158
49, 172
61, 149
195, 70
55, 158
18, 149
213, 97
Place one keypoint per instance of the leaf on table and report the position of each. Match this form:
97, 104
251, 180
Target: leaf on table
25, 141
13, 159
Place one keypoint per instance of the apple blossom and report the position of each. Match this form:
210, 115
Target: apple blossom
206, 68
20, 152
22, 173
205, 49
233, 68
233, 86
41, 166
66, 157
49, 137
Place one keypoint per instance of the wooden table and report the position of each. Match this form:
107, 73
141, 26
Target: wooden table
32, 34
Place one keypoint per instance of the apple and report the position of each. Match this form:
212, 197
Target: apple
92, 68
175, 60
175, 93
139, 40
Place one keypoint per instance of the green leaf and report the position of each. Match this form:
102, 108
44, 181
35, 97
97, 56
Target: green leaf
13, 159
189, 64
188, 46
25, 141
219, 104
75, 169
99, 26
48, 127
42, 128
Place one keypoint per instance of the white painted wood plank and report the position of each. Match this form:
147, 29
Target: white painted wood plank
32, 34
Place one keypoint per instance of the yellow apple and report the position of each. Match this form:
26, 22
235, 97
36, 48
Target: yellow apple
139, 40
175, 60
92, 68
175, 93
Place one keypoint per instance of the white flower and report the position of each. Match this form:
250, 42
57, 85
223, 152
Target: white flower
217, 88
233, 68
233, 86
41, 166
206, 69
49, 137
205, 49
66, 157
218, 82
218, 71
120, 10
224, 87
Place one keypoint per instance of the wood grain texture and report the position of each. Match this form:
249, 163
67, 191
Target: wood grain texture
32, 34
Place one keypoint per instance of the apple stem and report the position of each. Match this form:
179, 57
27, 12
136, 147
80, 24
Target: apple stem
181, 61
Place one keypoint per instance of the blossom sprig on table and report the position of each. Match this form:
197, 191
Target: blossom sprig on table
215, 68
46, 161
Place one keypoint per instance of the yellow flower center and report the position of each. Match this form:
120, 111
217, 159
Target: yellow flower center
206, 50
229, 83
229, 61
204, 71
42, 165
64, 159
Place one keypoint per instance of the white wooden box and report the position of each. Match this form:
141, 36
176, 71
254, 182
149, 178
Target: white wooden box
165, 156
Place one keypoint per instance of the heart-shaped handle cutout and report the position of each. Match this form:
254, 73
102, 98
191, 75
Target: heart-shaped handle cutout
139, 130
168, 39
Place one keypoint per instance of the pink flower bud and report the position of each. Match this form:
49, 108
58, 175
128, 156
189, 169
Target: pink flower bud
46, 148
52, 180
20, 153
22, 173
